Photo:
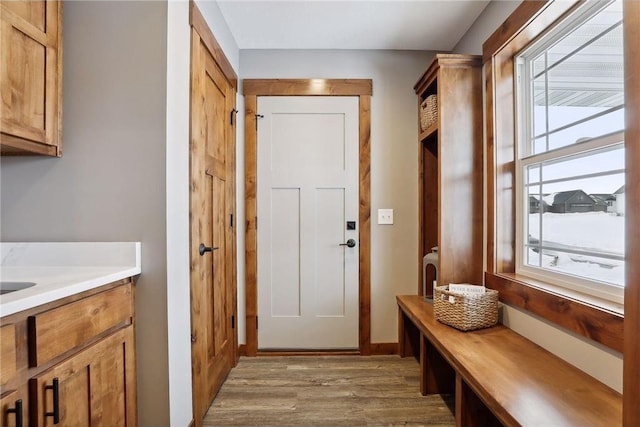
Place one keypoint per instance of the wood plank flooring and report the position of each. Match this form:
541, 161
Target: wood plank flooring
327, 391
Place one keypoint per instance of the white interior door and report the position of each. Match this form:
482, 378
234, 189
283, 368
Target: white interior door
307, 192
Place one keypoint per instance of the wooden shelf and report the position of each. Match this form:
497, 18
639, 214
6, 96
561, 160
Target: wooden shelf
450, 171
428, 132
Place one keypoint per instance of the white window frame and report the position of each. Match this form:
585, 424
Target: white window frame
525, 157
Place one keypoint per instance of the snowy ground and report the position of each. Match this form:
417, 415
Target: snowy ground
590, 231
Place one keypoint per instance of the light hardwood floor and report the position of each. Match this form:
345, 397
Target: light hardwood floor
327, 391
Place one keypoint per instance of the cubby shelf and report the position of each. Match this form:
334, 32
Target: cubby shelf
428, 132
450, 170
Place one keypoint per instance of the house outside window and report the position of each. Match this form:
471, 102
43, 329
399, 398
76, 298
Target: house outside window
570, 167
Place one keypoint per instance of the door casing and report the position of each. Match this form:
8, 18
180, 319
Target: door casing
252, 89
205, 50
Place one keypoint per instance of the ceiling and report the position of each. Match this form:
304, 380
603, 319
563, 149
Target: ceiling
361, 24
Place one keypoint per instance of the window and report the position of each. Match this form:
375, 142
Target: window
570, 168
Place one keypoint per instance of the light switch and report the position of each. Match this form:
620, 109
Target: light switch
385, 216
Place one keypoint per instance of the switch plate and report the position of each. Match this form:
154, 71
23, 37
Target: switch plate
385, 216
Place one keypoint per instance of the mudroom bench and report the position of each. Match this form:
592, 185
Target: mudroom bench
499, 377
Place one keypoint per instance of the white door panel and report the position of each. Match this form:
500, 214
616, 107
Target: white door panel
285, 252
307, 191
329, 229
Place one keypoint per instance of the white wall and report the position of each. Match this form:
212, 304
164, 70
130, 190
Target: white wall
394, 162
177, 208
594, 359
489, 20
110, 183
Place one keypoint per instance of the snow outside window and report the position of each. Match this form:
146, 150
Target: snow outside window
570, 167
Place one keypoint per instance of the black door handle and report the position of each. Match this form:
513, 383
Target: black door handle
204, 249
56, 401
350, 243
18, 411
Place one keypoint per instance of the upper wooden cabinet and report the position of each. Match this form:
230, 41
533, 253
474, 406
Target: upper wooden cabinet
31, 77
450, 170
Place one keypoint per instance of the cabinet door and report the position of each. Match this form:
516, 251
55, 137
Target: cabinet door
15, 409
7, 353
96, 387
30, 71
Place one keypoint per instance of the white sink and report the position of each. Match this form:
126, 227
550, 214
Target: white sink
6, 287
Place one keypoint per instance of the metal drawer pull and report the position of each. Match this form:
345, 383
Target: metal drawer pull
18, 411
204, 249
56, 401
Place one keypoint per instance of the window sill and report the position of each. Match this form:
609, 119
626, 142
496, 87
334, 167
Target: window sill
590, 317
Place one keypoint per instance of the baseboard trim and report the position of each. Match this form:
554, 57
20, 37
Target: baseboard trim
267, 353
377, 349
384, 348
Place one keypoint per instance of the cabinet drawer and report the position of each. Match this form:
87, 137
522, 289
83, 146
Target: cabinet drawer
7, 353
61, 329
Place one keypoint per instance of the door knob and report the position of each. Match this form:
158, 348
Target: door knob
350, 243
204, 249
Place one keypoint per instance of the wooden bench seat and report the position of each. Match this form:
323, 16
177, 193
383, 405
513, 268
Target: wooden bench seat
499, 377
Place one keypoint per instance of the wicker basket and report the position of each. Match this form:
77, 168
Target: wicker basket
428, 112
466, 312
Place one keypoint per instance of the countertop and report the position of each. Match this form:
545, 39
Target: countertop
62, 269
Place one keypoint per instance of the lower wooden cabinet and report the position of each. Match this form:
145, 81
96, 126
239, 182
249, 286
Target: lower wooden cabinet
87, 382
15, 408
90, 388
7, 353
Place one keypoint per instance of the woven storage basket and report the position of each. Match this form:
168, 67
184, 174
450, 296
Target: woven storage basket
428, 112
466, 312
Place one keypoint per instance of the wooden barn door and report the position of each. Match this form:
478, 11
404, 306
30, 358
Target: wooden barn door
212, 206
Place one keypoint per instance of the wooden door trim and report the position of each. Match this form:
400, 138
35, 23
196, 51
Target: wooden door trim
362, 88
197, 21
203, 44
307, 87
630, 383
